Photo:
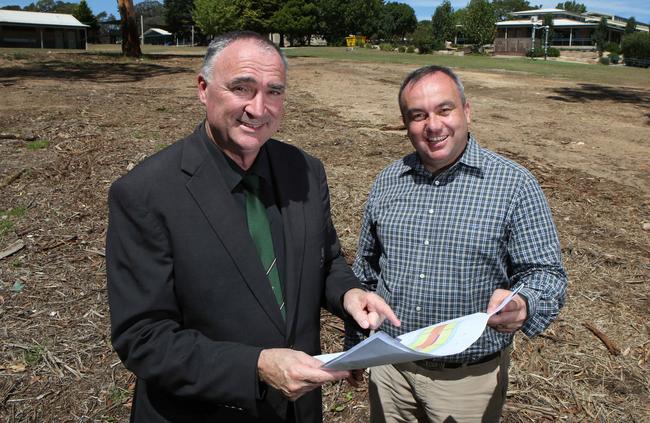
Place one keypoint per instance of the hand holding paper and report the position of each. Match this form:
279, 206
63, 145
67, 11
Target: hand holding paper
445, 338
507, 314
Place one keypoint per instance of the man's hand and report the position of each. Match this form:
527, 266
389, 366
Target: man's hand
294, 373
512, 316
368, 309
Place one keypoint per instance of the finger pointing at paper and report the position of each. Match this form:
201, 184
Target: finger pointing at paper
368, 309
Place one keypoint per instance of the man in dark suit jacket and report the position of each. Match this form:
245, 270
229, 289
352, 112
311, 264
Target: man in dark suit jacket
193, 313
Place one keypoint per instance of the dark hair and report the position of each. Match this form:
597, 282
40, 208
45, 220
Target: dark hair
224, 40
420, 73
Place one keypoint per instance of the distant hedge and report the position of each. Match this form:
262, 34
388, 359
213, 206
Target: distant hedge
636, 46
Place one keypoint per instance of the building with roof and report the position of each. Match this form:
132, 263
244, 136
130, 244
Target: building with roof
41, 30
570, 30
157, 36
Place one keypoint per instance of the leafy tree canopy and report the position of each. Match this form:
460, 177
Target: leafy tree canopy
11, 7
152, 12
478, 25
51, 6
630, 26
503, 8
296, 18
398, 20
599, 36
442, 22
85, 15
572, 6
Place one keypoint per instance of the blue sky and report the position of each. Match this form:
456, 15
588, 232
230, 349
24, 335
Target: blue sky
425, 8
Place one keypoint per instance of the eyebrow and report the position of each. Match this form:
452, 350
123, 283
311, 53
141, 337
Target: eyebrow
251, 80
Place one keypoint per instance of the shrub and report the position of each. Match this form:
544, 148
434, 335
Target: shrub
539, 52
401, 49
636, 45
367, 45
553, 52
386, 47
410, 49
614, 58
612, 48
604, 60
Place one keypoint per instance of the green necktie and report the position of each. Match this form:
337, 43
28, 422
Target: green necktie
260, 230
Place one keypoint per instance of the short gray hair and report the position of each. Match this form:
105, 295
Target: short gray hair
420, 73
224, 40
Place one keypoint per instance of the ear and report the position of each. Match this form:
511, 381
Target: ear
202, 85
468, 112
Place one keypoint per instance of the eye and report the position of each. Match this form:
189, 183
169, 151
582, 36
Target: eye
241, 90
418, 116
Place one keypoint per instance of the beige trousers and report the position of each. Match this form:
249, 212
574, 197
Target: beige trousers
408, 393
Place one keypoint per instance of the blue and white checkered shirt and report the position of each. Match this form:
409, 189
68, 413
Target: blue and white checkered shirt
436, 247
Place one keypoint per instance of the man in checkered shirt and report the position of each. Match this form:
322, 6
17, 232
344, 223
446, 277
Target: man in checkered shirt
451, 230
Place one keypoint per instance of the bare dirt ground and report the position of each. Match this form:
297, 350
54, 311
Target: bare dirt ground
588, 144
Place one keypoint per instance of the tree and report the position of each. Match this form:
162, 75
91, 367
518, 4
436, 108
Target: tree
11, 7
217, 16
398, 20
339, 18
548, 21
572, 6
296, 18
479, 23
152, 13
442, 23
636, 46
503, 8
178, 16
422, 38
630, 26
130, 39
85, 15
599, 36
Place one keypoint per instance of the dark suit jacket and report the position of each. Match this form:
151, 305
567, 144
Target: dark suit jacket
191, 310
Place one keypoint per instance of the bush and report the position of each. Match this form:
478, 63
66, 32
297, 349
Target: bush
636, 46
410, 49
539, 52
553, 52
401, 49
614, 58
604, 60
612, 48
386, 47
367, 45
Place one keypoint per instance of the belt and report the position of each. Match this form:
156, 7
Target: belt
436, 365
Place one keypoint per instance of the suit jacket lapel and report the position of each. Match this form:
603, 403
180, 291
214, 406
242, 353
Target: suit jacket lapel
291, 192
208, 189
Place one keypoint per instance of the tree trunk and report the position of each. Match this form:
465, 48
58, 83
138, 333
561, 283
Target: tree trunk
129, 26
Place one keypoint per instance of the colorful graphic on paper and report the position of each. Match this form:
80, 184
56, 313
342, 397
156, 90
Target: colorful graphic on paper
433, 338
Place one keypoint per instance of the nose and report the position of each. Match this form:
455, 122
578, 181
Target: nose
433, 124
257, 104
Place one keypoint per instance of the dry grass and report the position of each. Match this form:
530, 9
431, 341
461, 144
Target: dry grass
56, 362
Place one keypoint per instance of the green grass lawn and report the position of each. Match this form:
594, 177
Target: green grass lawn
578, 72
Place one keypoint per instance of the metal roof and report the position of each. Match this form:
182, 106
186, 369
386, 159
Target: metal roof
556, 22
38, 18
157, 31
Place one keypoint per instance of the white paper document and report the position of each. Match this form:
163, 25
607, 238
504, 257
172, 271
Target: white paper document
445, 338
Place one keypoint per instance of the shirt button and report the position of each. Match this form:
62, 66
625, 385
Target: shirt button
418, 308
436, 183
430, 211
421, 275
426, 242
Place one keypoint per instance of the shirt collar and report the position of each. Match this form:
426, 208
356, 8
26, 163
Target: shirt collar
471, 157
231, 172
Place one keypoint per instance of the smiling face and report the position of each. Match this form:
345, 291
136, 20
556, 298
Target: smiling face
436, 119
244, 101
